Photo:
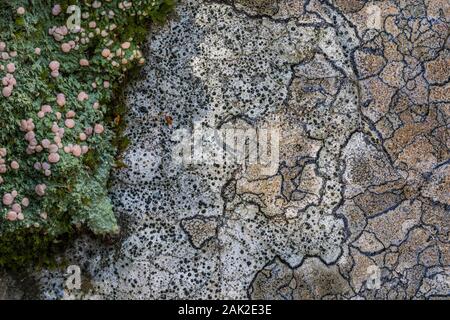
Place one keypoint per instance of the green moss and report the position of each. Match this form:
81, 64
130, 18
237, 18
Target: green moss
76, 195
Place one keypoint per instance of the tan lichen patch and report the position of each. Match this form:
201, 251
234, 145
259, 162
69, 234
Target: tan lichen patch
264, 7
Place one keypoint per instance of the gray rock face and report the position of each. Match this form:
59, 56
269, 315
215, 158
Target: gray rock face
340, 213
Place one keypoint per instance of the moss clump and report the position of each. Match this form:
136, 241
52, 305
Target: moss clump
59, 122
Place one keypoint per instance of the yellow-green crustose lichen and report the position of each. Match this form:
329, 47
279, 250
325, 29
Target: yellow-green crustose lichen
61, 65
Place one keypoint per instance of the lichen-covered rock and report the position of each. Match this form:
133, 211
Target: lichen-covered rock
356, 203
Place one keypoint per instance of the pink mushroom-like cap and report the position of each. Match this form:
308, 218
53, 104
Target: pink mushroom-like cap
15, 165
30, 125
84, 63
23, 125
88, 131
20, 11
7, 91
125, 45
45, 143
45, 166
8, 199
61, 99
37, 166
46, 108
12, 82
37, 51
53, 157
40, 189
84, 149
14, 193
76, 150
106, 53
11, 216
82, 96
55, 127
16, 207
56, 10
70, 114
98, 128
41, 114
54, 73
3, 152
11, 67
20, 216
65, 47
54, 65
53, 148
30, 135
70, 123
25, 202
33, 142
83, 136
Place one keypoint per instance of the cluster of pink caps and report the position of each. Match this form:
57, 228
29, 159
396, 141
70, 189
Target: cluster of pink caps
3, 167
8, 81
28, 126
15, 208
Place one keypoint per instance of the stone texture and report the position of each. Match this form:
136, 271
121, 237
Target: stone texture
357, 206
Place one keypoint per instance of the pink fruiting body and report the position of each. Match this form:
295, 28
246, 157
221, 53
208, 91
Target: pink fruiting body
65, 47
76, 150
8, 199
70, 114
25, 202
54, 65
11, 67
11, 216
53, 158
7, 91
98, 128
106, 53
16, 207
21, 11
56, 10
70, 123
60, 99
84, 63
15, 165
40, 189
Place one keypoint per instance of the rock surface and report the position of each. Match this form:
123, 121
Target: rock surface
357, 205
